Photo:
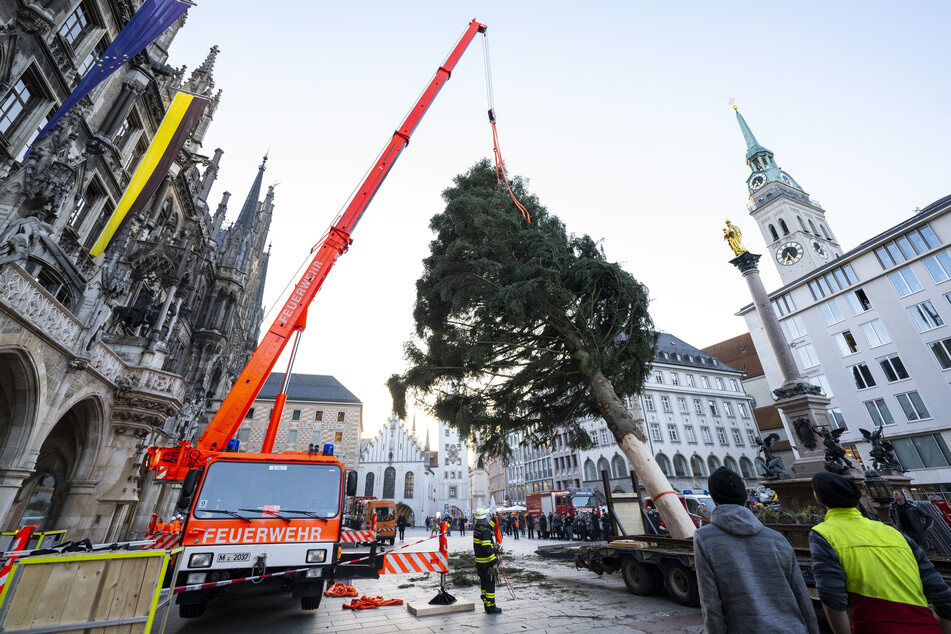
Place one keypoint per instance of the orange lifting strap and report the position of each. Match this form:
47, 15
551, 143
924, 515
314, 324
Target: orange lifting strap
500, 169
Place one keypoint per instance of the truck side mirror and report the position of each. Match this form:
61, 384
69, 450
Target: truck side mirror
188, 491
352, 483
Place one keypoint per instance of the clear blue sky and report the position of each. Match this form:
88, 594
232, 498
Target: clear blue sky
615, 111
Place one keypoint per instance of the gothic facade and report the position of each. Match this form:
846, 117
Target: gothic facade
101, 357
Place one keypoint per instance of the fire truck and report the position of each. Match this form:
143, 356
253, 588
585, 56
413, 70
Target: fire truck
567, 502
248, 514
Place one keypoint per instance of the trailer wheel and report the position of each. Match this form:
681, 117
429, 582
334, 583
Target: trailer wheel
310, 603
641, 579
681, 584
191, 610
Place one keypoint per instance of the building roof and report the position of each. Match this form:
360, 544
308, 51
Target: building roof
939, 206
673, 351
738, 352
318, 388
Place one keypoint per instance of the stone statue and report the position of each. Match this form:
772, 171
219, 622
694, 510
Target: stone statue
836, 462
734, 237
771, 463
882, 451
804, 432
21, 237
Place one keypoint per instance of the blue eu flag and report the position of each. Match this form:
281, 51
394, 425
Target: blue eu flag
152, 18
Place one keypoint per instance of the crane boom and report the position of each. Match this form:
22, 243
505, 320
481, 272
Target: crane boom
292, 316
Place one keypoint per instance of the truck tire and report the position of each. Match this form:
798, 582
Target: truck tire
681, 584
640, 578
310, 603
393, 540
191, 610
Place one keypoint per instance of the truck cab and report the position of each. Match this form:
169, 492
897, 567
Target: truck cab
385, 511
699, 507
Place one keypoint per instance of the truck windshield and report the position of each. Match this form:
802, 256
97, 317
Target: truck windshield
701, 505
383, 513
232, 486
584, 500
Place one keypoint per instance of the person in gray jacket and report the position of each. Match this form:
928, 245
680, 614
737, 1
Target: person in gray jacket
910, 519
748, 575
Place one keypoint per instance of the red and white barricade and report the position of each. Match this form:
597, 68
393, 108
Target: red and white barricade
397, 563
357, 537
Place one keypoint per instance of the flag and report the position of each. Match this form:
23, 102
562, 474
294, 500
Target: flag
152, 18
182, 117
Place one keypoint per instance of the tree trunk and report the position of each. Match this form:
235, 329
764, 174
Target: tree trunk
632, 442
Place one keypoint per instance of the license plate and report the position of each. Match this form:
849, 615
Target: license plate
225, 557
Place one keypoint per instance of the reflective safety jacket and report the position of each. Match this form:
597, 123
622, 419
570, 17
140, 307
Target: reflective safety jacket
881, 573
483, 543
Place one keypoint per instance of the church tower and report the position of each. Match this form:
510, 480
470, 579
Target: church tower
793, 225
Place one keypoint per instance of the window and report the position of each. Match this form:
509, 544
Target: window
837, 419
341, 417
655, 432
744, 412
291, 436
846, 343
833, 282
734, 386
794, 327
690, 381
15, 105
680, 466
905, 282
318, 415
682, 404
858, 301
250, 413
942, 352
452, 475
913, 406
409, 483
802, 225
878, 410
822, 382
663, 463
705, 382
649, 402
338, 436
713, 408
721, 436
875, 333
674, 378
807, 356
698, 406
658, 377
368, 488
862, 376
672, 433
922, 452
295, 415
665, 403
705, 434
696, 465
939, 265
719, 383
772, 232
452, 492
751, 436
830, 312
783, 305
782, 225
91, 58
76, 22
925, 316
243, 434
728, 408
689, 434
736, 437
893, 368
315, 437
906, 247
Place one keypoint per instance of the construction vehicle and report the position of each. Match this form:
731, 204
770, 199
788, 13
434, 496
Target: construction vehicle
246, 513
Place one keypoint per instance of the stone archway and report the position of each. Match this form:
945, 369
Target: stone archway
19, 396
407, 512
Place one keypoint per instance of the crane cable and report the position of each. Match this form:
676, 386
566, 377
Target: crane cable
500, 175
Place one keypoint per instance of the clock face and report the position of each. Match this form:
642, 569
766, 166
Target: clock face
789, 253
820, 250
786, 178
757, 181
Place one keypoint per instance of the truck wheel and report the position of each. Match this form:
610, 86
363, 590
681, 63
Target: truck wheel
191, 610
393, 540
310, 603
641, 579
681, 584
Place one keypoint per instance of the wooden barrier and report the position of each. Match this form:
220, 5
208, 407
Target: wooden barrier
70, 592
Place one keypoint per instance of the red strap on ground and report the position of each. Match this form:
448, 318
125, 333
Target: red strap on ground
500, 172
341, 590
367, 603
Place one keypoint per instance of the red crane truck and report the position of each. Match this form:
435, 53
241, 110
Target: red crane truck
245, 514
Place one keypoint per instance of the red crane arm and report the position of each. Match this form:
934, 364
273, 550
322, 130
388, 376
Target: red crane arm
293, 314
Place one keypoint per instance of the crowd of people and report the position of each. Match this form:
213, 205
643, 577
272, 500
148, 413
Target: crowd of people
582, 527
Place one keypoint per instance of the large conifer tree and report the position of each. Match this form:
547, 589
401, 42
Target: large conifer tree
525, 327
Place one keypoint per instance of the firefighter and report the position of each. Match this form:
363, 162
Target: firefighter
483, 543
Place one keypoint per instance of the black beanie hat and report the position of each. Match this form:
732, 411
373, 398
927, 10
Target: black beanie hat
835, 491
726, 487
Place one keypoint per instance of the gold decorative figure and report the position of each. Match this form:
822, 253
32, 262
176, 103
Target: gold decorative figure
732, 102
734, 238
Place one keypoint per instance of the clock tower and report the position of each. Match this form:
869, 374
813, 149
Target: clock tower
794, 226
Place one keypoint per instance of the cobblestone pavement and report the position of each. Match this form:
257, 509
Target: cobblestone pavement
551, 596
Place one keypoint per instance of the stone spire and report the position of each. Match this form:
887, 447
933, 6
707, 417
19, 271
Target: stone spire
202, 81
249, 211
211, 173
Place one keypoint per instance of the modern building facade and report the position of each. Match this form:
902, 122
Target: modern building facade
867, 324
101, 357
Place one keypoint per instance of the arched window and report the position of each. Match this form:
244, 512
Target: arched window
408, 484
664, 463
746, 468
696, 463
603, 466
389, 483
812, 226
589, 472
802, 225
730, 464
782, 225
368, 487
620, 469
772, 232
680, 466
824, 232
713, 463
41, 500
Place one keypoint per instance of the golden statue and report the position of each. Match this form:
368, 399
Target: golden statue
734, 237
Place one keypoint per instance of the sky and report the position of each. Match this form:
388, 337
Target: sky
616, 112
